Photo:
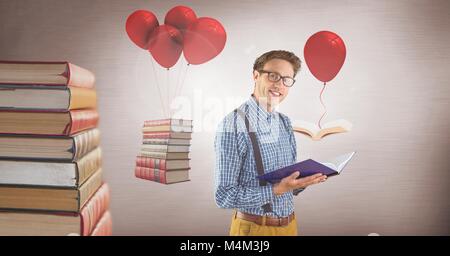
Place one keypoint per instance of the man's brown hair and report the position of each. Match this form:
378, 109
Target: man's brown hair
278, 54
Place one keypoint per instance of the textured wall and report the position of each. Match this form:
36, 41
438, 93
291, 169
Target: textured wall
394, 88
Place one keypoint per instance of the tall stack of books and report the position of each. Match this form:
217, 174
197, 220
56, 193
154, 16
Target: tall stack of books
164, 156
50, 158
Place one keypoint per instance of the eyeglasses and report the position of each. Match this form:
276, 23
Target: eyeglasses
275, 77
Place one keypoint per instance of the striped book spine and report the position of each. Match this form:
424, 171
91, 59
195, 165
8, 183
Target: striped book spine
181, 122
94, 210
151, 174
151, 162
104, 226
157, 122
85, 142
88, 164
81, 120
157, 135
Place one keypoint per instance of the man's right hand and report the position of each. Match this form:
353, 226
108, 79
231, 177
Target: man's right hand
291, 182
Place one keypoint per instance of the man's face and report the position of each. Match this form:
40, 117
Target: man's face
268, 92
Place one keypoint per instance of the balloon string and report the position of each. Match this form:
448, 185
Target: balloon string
323, 105
178, 80
168, 92
184, 78
159, 89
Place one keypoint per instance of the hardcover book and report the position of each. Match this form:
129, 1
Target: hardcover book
49, 198
45, 73
47, 123
47, 99
48, 148
309, 167
37, 223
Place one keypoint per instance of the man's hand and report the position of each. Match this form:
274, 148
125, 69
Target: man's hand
291, 182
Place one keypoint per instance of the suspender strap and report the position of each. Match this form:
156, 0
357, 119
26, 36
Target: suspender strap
257, 154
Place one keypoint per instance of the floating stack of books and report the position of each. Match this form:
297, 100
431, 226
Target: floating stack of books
50, 158
164, 154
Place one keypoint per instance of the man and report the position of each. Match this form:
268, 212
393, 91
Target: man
262, 143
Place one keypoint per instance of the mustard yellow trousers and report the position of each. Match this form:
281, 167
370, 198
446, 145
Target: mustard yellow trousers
240, 227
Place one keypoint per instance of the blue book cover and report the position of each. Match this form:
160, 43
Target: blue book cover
309, 167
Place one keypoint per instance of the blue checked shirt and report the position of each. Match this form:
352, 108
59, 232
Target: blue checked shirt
236, 182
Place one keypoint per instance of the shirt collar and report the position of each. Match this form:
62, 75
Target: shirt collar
259, 110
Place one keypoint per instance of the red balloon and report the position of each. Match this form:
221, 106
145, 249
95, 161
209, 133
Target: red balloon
165, 45
203, 40
140, 25
325, 54
180, 17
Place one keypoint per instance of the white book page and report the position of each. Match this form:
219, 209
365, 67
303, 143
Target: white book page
339, 162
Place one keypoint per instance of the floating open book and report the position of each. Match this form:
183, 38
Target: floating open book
313, 131
309, 167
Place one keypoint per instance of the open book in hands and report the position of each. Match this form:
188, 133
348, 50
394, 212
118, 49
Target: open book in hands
309, 167
316, 133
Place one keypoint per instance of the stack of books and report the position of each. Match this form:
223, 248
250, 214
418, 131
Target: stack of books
50, 155
164, 156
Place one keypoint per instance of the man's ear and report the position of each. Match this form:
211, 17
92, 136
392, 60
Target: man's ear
255, 75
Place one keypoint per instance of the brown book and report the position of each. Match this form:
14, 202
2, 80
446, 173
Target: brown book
50, 174
51, 99
54, 148
166, 155
45, 73
316, 133
49, 199
36, 223
167, 141
47, 123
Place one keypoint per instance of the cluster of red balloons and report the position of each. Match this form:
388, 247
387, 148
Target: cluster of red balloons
324, 55
199, 39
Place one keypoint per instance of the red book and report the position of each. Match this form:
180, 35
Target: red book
167, 135
47, 123
161, 164
162, 176
47, 223
46, 73
94, 210
104, 226
168, 121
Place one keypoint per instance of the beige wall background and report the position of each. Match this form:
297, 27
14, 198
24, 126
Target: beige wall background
394, 88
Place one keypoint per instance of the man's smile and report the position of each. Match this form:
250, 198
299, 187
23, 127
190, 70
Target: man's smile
274, 93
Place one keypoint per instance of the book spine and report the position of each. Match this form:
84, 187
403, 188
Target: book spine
79, 77
89, 187
94, 209
156, 122
155, 148
81, 120
156, 135
87, 165
82, 98
157, 141
160, 155
104, 226
149, 162
151, 174
85, 142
